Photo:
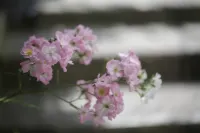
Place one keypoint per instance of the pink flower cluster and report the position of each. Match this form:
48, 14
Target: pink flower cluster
42, 54
106, 91
109, 100
127, 68
103, 94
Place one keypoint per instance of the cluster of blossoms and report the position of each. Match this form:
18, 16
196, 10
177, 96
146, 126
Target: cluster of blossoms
106, 91
103, 94
42, 54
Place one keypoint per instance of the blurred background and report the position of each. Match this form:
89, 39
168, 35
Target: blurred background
165, 34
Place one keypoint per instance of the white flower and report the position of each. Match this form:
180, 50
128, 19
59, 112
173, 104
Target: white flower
150, 89
142, 76
157, 80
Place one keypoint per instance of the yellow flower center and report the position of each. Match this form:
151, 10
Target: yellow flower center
101, 91
29, 52
115, 70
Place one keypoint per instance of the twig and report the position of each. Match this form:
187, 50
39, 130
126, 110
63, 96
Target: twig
77, 97
70, 103
85, 91
90, 93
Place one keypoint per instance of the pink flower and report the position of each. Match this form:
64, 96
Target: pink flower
85, 33
133, 83
45, 74
42, 72
34, 68
85, 113
131, 57
32, 48
66, 55
101, 89
118, 101
119, 107
97, 118
45, 77
28, 52
76, 43
69, 38
114, 68
26, 66
50, 53
131, 68
63, 38
117, 94
105, 78
105, 105
88, 89
36, 42
131, 74
86, 57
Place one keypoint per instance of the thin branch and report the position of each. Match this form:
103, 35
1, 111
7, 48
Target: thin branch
21, 92
90, 93
71, 104
77, 98
85, 91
